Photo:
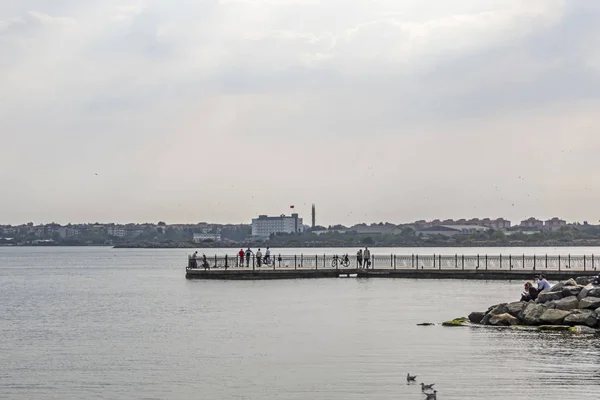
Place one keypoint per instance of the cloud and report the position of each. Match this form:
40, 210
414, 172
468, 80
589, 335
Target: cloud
191, 108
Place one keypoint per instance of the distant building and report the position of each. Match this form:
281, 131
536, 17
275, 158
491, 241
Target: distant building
116, 231
452, 230
202, 237
499, 224
9, 230
67, 232
532, 223
265, 226
554, 224
134, 232
375, 229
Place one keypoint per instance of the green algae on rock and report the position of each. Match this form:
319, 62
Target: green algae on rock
462, 321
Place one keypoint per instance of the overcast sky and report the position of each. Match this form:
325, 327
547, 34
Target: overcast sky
375, 110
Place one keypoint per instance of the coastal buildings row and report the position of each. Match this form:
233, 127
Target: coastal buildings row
261, 227
496, 223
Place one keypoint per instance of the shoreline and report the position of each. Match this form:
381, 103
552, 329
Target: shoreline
218, 245
340, 245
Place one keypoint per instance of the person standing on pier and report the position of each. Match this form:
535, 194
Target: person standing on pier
267, 256
359, 258
258, 258
248, 255
367, 257
194, 260
241, 256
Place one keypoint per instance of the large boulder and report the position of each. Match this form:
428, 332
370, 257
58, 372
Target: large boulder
594, 292
567, 303
584, 292
589, 303
476, 317
571, 291
532, 313
545, 296
494, 310
584, 280
554, 317
561, 285
516, 308
504, 320
582, 317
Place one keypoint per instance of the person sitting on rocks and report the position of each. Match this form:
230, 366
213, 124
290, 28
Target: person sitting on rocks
530, 293
543, 284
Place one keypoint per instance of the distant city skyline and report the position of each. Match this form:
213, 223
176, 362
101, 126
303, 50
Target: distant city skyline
395, 110
514, 222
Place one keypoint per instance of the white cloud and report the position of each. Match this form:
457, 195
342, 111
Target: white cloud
189, 107
52, 21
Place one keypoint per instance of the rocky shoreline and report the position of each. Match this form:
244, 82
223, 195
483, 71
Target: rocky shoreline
572, 305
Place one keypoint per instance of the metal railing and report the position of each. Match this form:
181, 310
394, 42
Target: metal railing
393, 261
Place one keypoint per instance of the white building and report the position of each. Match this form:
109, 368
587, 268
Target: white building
264, 226
201, 237
451, 230
115, 230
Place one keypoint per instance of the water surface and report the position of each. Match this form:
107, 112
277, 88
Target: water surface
120, 324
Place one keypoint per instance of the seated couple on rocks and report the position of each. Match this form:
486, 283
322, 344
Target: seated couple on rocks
531, 293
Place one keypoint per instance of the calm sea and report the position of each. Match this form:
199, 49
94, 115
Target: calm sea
99, 323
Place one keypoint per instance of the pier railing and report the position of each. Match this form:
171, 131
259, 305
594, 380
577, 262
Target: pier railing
393, 261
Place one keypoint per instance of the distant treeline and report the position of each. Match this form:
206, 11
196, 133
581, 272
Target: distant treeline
408, 237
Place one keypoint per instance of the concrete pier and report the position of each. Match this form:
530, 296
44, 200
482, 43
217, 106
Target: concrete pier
257, 274
415, 266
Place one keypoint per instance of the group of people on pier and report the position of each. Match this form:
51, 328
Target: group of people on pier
260, 259
193, 262
248, 257
363, 257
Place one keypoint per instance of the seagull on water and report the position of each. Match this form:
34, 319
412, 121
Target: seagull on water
410, 378
425, 387
431, 396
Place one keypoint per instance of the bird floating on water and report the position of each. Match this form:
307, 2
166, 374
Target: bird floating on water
431, 396
410, 378
425, 387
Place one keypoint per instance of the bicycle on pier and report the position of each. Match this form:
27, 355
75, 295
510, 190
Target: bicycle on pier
343, 261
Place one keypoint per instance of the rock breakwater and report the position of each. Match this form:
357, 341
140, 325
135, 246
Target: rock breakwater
572, 305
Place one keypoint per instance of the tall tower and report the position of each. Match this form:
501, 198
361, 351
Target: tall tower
313, 216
